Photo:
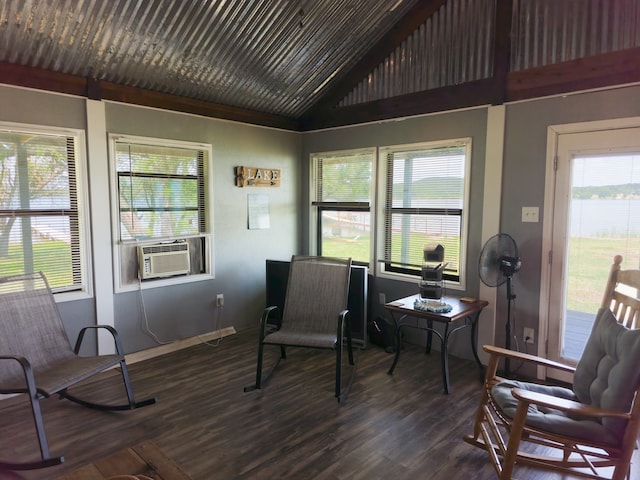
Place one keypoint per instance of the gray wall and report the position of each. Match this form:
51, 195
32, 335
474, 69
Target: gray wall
524, 180
460, 124
185, 310
523, 183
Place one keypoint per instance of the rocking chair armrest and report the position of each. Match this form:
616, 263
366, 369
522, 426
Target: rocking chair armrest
526, 357
266, 313
565, 405
109, 328
18, 358
343, 322
27, 369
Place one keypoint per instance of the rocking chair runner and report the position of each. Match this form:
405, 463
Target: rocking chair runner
36, 357
314, 315
595, 424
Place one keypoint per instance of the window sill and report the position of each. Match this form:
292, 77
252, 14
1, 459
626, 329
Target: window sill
164, 282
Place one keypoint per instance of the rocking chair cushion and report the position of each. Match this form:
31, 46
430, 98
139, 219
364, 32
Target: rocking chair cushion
607, 375
547, 419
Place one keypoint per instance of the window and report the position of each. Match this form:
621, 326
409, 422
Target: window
40, 205
425, 195
161, 194
343, 199
160, 191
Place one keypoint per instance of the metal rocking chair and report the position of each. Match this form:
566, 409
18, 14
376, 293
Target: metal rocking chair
314, 315
36, 357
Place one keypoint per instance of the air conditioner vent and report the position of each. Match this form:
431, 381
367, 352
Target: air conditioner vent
163, 260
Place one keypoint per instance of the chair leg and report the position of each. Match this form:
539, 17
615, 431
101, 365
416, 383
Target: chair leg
258, 383
513, 445
341, 393
338, 368
34, 400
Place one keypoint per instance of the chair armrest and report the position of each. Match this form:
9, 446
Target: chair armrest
343, 322
565, 405
109, 328
21, 360
525, 357
27, 369
264, 319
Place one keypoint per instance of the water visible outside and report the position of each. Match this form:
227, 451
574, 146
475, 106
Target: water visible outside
604, 221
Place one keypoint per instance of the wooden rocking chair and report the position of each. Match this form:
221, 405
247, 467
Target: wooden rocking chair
592, 427
36, 357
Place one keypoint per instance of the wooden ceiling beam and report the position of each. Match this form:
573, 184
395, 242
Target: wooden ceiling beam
598, 71
36, 78
502, 49
470, 94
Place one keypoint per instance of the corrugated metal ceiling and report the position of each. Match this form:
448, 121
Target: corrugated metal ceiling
272, 56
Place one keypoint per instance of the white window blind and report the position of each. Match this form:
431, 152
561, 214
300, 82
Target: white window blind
39, 219
343, 202
424, 200
161, 191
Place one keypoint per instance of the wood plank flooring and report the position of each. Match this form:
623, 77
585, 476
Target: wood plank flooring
401, 426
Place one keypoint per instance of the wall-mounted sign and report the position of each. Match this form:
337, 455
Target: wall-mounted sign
257, 177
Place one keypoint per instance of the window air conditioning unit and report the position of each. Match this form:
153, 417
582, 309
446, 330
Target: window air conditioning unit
163, 260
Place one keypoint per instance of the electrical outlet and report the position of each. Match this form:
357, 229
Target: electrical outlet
529, 335
530, 214
219, 300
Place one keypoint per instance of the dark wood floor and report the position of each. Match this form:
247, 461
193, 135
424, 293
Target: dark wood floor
400, 426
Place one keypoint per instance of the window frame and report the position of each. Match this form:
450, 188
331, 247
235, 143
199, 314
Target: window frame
317, 207
410, 274
85, 286
123, 250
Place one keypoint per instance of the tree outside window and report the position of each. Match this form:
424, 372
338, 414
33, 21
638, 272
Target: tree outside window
39, 215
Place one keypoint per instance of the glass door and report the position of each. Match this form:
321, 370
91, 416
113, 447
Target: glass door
596, 215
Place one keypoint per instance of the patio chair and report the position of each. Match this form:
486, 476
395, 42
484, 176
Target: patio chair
315, 315
589, 430
36, 357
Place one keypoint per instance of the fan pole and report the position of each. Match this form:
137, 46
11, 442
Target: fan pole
507, 326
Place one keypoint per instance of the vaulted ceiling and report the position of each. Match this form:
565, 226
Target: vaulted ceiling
308, 64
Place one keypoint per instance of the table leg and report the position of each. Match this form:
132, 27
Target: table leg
474, 339
396, 357
429, 335
444, 358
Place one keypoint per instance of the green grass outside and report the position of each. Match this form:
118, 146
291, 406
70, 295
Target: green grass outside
589, 261
44, 254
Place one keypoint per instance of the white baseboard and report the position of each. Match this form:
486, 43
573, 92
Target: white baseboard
178, 345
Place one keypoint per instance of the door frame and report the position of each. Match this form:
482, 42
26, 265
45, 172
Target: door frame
553, 134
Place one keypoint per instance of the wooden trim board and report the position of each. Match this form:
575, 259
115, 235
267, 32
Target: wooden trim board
178, 345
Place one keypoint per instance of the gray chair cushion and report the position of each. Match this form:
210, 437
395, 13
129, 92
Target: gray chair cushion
608, 373
606, 376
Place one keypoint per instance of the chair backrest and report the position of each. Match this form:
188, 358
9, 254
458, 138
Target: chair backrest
622, 294
30, 324
317, 291
607, 374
